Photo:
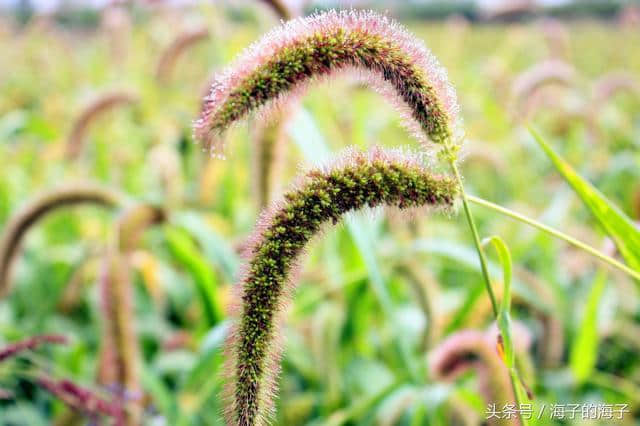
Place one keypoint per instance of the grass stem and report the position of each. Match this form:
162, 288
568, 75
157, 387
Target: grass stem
556, 233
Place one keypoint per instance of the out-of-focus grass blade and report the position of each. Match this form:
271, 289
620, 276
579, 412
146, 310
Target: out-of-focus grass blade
505, 342
204, 379
467, 257
619, 227
160, 394
186, 253
308, 138
584, 348
214, 245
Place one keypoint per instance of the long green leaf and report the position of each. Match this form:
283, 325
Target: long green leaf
618, 225
185, 252
584, 349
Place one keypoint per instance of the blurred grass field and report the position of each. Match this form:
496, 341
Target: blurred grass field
341, 364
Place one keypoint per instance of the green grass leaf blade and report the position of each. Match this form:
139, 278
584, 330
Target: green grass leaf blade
504, 320
584, 348
186, 254
618, 225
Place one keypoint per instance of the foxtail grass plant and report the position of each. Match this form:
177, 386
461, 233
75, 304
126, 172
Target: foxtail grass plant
37, 208
355, 181
89, 114
277, 69
170, 55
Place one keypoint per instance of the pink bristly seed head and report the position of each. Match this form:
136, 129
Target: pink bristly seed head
357, 180
306, 49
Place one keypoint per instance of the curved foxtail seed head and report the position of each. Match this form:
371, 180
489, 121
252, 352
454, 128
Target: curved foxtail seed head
304, 50
613, 82
177, 47
474, 349
540, 74
17, 226
90, 112
30, 343
356, 181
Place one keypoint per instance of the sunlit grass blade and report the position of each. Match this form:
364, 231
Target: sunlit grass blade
584, 348
215, 246
619, 227
185, 252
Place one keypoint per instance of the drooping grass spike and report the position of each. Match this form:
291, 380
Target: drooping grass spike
355, 181
474, 349
304, 50
18, 225
176, 48
90, 113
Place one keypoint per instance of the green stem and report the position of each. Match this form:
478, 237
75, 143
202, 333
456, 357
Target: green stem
476, 238
483, 263
558, 234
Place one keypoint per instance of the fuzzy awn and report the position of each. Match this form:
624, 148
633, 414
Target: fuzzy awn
303, 50
357, 180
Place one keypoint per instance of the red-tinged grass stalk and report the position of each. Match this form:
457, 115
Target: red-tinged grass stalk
477, 350
30, 343
355, 181
83, 400
170, 55
101, 104
286, 60
118, 366
37, 208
